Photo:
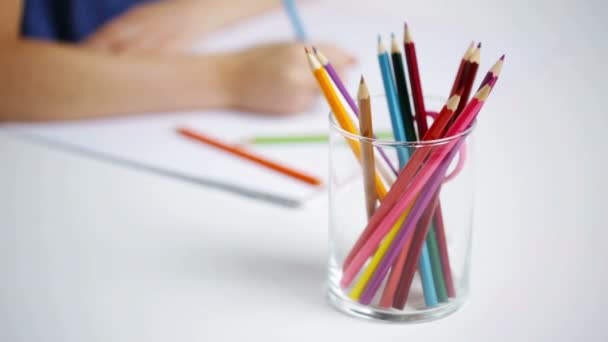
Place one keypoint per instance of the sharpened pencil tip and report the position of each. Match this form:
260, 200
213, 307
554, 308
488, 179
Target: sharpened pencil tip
479, 45
379, 39
314, 49
392, 35
405, 25
306, 50
362, 80
502, 58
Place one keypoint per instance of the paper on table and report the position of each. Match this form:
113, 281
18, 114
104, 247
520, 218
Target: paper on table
150, 142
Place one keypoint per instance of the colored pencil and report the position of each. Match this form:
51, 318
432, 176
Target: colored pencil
302, 139
404, 96
331, 71
393, 103
444, 257
285, 170
425, 266
415, 82
494, 71
367, 149
296, 21
407, 188
333, 74
339, 112
469, 78
464, 61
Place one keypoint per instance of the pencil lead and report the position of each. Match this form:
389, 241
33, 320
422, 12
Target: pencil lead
363, 92
405, 25
314, 49
379, 39
502, 58
479, 45
306, 50
392, 35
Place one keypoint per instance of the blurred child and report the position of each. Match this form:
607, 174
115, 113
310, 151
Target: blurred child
70, 59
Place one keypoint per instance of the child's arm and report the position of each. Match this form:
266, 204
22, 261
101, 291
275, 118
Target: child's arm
172, 25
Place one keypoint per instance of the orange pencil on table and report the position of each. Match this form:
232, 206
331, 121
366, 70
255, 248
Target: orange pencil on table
288, 171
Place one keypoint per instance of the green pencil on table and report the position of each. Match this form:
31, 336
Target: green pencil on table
301, 139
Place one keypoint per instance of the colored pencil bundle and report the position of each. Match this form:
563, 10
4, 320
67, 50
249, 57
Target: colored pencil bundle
405, 232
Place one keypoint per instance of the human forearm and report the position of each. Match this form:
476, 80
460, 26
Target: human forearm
46, 81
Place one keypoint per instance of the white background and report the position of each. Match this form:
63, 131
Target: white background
91, 251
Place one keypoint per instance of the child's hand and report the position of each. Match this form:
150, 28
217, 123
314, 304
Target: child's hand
276, 78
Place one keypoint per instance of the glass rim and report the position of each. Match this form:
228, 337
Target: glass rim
393, 143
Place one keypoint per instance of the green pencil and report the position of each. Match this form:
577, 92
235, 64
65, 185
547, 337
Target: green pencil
301, 139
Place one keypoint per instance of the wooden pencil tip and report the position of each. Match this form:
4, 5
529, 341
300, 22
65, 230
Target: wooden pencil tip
306, 50
483, 93
381, 48
479, 45
475, 56
320, 56
407, 36
454, 101
502, 58
363, 92
314, 49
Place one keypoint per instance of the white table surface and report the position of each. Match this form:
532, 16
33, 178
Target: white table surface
91, 251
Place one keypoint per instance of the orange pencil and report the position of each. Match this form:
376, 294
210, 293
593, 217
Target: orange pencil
250, 156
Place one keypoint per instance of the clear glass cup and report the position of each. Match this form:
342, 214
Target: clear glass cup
417, 270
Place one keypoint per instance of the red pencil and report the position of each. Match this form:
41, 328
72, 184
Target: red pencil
464, 61
469, 78
417, 95
250, 156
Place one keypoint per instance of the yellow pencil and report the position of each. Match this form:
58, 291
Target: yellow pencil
340, 112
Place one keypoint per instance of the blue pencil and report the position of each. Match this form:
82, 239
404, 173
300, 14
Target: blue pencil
391, 98
296, 22
426, 274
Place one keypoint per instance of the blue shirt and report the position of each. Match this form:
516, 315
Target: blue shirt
69, 20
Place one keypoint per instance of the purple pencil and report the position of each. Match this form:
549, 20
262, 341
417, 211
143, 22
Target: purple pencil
495, 70
351, 103
406, 229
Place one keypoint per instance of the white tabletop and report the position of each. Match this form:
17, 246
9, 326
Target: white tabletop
91, 251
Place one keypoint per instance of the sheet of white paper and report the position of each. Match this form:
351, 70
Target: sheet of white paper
150, 141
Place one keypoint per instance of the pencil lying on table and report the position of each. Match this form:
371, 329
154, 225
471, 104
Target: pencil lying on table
285, 170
